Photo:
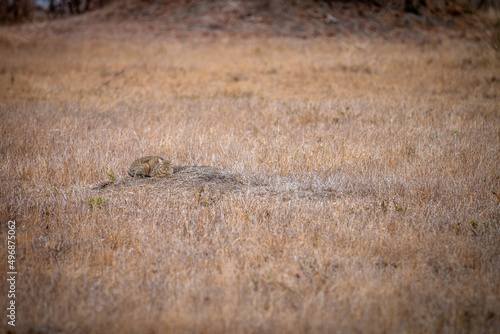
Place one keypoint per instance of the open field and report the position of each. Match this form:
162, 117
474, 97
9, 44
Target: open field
357, 192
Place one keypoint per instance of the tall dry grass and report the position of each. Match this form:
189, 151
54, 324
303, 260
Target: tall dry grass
368, 204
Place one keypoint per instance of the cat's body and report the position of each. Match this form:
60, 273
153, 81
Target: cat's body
151, 166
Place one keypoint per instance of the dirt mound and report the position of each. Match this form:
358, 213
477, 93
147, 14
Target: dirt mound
212, 180
184, 178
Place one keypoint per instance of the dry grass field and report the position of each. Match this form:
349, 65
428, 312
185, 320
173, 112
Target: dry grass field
352, 190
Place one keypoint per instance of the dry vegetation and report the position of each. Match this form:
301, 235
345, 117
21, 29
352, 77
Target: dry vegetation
354, 189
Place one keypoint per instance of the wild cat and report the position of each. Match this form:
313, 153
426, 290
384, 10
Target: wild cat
151, 166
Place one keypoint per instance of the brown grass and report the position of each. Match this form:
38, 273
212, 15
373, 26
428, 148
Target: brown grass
360, 196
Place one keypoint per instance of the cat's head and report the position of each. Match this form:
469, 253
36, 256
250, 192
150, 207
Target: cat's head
165, 168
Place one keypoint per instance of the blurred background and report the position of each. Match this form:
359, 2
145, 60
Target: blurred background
283, 17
